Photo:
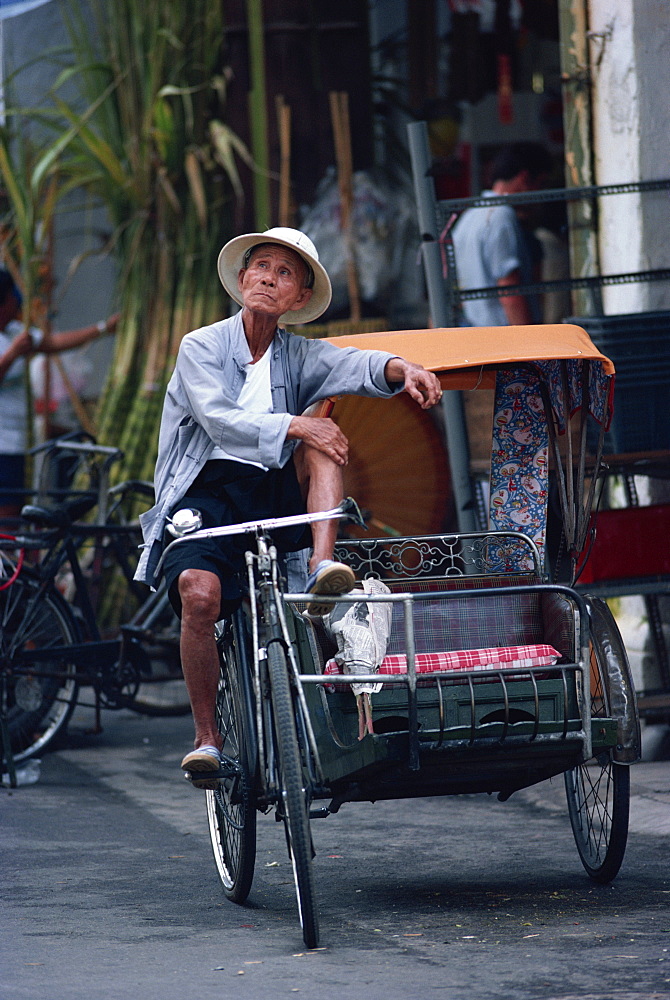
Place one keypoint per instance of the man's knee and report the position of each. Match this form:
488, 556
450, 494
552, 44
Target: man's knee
311, 463
200, 594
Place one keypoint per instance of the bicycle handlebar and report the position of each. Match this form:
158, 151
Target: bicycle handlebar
90, 448
347, 509
28, 542
62, 439
142, 486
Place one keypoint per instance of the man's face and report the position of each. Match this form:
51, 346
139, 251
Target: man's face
274, 281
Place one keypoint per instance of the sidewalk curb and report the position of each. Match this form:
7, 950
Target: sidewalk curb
649, 799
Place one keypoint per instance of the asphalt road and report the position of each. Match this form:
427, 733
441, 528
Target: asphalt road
109, 891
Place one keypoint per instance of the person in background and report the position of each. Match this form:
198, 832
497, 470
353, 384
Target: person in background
236, 444
16, 343
495, 246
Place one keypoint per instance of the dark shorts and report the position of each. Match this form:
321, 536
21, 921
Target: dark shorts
12, 478
228, 492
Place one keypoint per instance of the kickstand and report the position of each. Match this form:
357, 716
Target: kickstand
98, 713
96, 729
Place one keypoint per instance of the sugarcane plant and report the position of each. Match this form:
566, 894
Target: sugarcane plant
152, 144
137, 112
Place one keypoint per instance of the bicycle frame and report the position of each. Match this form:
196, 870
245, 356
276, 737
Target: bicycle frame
270, 607
266, 626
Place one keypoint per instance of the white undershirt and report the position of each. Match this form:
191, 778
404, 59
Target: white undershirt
256, 397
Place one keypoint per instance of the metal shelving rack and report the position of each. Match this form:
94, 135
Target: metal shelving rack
436, 219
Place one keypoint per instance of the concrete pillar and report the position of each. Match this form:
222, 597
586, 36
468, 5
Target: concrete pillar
629, 54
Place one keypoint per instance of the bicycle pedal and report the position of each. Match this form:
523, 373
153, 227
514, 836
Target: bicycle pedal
212, 777
232, 771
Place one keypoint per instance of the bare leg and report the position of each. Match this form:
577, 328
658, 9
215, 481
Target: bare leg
322, 484
200, 593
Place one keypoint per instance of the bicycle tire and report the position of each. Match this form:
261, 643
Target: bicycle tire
163, 693
36, 708
231, 808
293, 802
598, 795
598, 791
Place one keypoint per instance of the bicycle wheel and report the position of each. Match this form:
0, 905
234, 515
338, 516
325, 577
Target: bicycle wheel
11, 561
231, 808
163, 692
293, 803
156, 685
598, 795
36, 706
598, 791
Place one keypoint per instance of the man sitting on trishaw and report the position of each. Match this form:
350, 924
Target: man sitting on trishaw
234, 444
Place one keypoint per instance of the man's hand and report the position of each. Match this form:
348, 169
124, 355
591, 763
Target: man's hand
517, 308
323, 434
423, 386
112, 322
23, 344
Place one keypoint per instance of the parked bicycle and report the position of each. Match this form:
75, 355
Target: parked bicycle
50, 646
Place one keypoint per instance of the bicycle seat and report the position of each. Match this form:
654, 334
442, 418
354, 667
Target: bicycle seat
61, 516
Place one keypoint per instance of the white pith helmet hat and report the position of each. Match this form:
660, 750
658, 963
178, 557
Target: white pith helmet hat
232, 259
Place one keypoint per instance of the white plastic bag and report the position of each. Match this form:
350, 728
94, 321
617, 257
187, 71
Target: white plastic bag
361, 631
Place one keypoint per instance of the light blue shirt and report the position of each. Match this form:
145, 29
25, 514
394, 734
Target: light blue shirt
488, 245
200, 409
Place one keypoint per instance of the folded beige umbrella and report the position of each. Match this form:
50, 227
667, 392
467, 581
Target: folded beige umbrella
398, 471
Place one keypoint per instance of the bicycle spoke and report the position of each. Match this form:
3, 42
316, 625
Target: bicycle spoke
231, 808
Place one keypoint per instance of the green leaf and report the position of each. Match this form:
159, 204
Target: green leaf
194, 174
16, 196
226, 144
47, 161
100, 149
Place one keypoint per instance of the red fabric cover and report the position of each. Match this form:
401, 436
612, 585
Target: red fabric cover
495, 658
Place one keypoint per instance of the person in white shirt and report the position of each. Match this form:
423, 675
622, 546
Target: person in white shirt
16, 343
492, 247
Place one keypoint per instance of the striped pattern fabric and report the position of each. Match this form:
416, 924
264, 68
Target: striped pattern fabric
493, 658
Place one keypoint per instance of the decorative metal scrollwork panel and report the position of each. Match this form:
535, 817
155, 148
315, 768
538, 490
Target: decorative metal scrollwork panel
433, 557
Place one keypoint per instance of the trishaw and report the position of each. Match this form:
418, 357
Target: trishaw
494, 677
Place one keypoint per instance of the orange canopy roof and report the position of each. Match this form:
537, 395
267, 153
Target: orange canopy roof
463, 354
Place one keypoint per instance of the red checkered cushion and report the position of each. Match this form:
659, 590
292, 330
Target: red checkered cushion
494, 658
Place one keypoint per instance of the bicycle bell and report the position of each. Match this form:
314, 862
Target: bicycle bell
184, 521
